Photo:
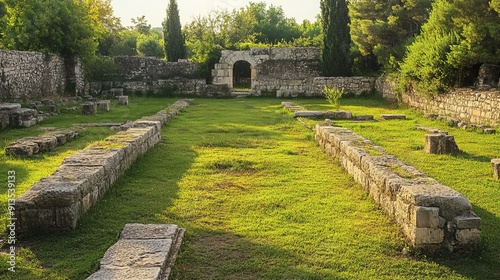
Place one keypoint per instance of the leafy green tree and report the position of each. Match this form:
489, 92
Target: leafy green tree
336, 38
174, 39
54, 26
124, 43
141, 25
381, 29
150, 45
459, 36
105, 25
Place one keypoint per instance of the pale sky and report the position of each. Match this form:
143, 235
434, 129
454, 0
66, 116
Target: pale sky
155, 10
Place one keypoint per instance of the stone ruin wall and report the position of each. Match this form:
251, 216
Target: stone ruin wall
433, 217
57, 202
139, 68
481, 107
286, 72
33, 75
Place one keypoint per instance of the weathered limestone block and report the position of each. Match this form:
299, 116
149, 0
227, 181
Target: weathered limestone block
104, 105
142, 252
123, 100
22, 117
393, 117
4, 120
495, 163
440, 143
58, 201
9, 106
430, 129
89, 108
22, 149
433, 217
363, 118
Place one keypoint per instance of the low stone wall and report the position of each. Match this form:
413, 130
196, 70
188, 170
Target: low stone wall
467, 105
58, 201
29, 146
433, 217
314, 87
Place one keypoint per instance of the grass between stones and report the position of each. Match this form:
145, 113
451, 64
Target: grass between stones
260, 200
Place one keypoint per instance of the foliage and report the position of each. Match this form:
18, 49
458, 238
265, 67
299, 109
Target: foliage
141, 25
54, 26
174, 41
150, 45
459, 36
103, 22
254, 26
333, 95
124, 43
382, 29
336, 39
100, 68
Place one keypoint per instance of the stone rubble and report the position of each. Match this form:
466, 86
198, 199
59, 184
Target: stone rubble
433, 217
58, 201
30, 146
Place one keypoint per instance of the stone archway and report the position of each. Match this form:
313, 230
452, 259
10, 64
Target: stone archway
224, 70
242, 76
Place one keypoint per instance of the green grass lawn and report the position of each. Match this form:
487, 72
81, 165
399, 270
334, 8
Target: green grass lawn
259, 199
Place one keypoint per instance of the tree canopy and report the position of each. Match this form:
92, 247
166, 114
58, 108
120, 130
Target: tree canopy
459, 36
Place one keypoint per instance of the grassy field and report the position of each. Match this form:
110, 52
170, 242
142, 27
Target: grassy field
259, 199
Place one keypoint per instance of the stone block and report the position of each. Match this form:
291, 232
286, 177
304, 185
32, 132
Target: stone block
440, 143
468, 236
89, 108
9, 106
471, 221
495, 163
425, 217
22, 149
127, 273
426, 236
104, 105
393, 117
363, 118
149, 231
4, 120
123, 100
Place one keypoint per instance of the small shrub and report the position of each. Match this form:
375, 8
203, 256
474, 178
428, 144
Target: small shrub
333, 95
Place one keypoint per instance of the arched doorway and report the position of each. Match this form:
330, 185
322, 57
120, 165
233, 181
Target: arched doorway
242, 76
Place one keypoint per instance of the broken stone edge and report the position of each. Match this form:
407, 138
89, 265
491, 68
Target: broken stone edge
114, 266
57, 202
433, 217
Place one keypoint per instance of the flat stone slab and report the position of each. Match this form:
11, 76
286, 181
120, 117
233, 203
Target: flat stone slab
143, 252
9, 106
340, 115
393, 117
430, 129
363, 118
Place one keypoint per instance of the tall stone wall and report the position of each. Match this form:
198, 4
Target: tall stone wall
33, 75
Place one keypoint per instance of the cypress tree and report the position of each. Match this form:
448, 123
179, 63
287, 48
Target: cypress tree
336, 38
173, 38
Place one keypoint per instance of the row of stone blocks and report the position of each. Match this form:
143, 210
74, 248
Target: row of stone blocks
29, 146
301, 112
143, 252
58, 201
433, 217
12, 115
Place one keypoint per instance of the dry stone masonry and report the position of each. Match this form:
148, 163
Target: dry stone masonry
30, 146
143, 252
433, 217
12, 115
287, 72
58, 201
33, 75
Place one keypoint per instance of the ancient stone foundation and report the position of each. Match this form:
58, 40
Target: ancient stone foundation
58, 201
29, 146
440, 143
145, 252
433, 217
